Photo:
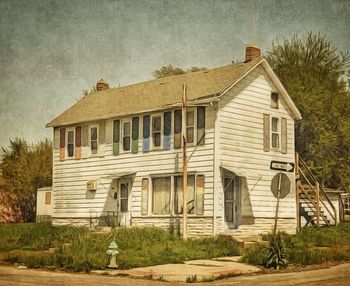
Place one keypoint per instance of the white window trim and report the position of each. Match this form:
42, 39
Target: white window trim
279, 132
161, 115
89, 144
127, 120
66, 143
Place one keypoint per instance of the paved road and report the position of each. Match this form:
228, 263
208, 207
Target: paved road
335, 276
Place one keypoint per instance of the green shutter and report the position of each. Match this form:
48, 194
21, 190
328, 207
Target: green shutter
116, 136
135, 135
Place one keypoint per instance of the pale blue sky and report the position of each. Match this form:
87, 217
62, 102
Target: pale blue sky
51, 50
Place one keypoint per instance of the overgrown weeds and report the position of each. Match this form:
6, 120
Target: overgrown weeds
79, 249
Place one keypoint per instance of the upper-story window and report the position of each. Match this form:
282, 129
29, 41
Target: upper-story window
190, 126
156, 130
93, 140
70, 143
275, 133
274, 100
126, 136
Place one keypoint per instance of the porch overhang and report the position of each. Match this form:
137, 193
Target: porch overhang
119, 175
239, 172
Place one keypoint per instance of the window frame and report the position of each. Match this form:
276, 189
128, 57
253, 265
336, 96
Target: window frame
90, 139
70, 129
274, 104
194, 126
160, 115
278, 132
122, 134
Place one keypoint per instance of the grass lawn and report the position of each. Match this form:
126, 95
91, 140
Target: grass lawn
79, 249
310, 246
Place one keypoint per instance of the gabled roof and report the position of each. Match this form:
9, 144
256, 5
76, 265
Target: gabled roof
155, 94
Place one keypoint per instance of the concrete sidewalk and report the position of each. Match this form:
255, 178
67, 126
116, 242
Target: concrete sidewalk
192, 271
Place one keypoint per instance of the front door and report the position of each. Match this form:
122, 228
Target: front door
124, 190
232, 197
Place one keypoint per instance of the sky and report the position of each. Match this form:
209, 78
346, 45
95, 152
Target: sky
51, 50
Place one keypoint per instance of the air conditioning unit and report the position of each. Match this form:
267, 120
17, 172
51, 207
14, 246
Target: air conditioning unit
91, 185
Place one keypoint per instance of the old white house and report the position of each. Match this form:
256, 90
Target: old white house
118, 154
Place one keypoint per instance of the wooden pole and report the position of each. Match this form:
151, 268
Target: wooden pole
318, 203
278, 204
297, 195
184, 161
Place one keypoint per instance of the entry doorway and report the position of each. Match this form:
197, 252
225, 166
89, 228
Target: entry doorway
232, 200
123, 201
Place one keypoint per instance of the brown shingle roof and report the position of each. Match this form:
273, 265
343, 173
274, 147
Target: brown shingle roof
151, 95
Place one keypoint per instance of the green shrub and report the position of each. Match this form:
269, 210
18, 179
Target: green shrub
256, 255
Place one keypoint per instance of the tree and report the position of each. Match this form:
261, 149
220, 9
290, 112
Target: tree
25, 168
170, 70
312, 70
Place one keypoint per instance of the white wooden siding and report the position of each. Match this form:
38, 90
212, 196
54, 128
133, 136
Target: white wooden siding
70, 176
240, 147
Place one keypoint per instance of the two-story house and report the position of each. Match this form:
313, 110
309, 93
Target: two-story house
118, 152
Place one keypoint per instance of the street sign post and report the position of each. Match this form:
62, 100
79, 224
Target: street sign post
282, 166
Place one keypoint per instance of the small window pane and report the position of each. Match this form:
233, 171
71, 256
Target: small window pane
126, 129
275, 140
156, 123
93, 147
123, 191
126, 143
94, 133
274, 100
190, 135
70, 137
274, 124
70, 148
156, 139
190, 118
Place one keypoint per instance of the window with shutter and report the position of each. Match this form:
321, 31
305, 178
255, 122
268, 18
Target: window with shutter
201, 125
156, 131
116, 136
126, 136
167, 130
146, 133
177, 128
144, 196
135, 135
178, 189
274, 100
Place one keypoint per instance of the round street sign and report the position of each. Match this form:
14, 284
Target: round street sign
280, 183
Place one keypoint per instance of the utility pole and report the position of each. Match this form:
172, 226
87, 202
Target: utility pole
184, 162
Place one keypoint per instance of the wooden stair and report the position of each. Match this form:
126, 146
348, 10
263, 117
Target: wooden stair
314, 204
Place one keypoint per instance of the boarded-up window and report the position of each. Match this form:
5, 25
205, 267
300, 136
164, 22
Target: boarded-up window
177, 128
116, 136
156, 130
124, 195
135, 135
200, 125
144, 196
284, 141
178, 188
93, 140
275, 133
161, 188
199, 194
167, 130
266, 130
126, 136
274, 100
70, 143
190, 127
146, 133
47, 198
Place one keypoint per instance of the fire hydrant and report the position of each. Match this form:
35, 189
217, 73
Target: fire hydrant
112, 252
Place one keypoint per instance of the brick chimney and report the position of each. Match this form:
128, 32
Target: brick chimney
102, 85
252, 52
